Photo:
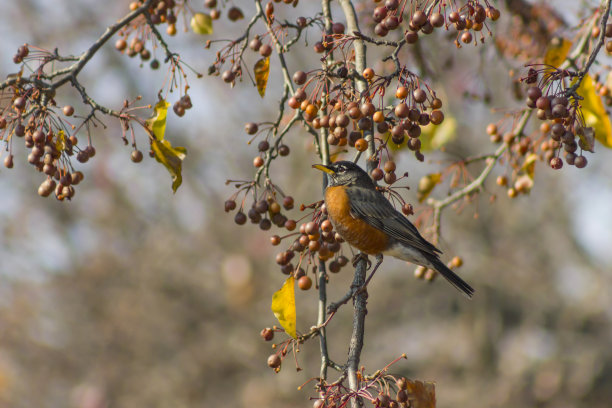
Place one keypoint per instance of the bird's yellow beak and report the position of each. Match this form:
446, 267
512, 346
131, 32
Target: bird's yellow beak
323, 168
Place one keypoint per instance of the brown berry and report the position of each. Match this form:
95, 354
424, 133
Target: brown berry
305, 283
274, 361
267, 334
361, 145
136, 156
251, 128
368, 73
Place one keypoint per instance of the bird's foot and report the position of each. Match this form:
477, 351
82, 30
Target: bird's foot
361, 257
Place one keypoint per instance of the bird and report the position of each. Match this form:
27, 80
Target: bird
364, 218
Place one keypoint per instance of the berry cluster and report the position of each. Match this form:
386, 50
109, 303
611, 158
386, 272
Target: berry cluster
262, 44
160, 12
347, 116
561, 112
467, 20
310, 239
31, 115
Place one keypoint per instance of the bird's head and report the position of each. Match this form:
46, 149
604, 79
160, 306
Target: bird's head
343, 173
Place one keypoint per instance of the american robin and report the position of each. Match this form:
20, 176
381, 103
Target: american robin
366, 219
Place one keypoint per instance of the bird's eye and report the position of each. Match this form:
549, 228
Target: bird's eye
341, 169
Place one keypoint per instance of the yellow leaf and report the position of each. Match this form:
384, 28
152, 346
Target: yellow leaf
434, 137
157, 122
171, 158
427, 184
557, 51
262, 70
529, 165
594, 112
60, 141
422, 394
283, 306
201, 24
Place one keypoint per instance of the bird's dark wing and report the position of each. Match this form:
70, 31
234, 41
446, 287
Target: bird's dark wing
372, 207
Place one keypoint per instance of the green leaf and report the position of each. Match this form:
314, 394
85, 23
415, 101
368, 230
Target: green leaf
283, 306
262, 70
157, 122
172, 159
201, 24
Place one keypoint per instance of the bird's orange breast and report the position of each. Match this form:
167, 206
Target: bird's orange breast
355, 231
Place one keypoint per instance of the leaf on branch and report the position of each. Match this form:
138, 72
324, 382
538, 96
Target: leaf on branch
434, 137
157, 122
595, 115
427, 184
422, 394
529, 165
163, 151
283, 306
557, 51
172, 159
60, 141
201, 24
262, 70
587, 137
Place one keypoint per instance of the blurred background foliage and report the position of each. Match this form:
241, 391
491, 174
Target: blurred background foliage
130, 296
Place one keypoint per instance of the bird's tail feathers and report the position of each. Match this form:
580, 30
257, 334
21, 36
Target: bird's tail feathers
452, 277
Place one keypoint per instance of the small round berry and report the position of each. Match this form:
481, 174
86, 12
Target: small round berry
436, 20
466, 37
267, 334
305, 283
368, 73
288, 202
136, 156
230, 205
326, 226
258, 161
283, 150
389, 166
401, 92
411, 37
556, 163
390, 178
121, 44
255, 44
299, 77
251, 128
265, 224
361, 145
240, 218
68, 110
338, 28
436, 117
274, 361
8, 161
265, 50
275, 240
456, 262
377, 174
263, 146
290, 225
419, 95
228, 76
580, 162
419, 18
